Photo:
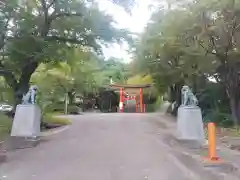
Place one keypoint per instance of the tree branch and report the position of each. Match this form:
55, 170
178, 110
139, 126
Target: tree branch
3, 33
64, 14
83, 42
53, 2
47, 22
44, 4
60, 84
64, 39
9, 77
206, 49
27, 71
231, 35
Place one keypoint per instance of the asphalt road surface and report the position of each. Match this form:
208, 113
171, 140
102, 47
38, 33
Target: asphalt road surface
99, 147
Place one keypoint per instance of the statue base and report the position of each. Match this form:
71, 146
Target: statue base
16, 142
26, 121
26, 127
190, 125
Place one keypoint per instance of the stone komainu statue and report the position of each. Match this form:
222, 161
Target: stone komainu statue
188, 98
30, 97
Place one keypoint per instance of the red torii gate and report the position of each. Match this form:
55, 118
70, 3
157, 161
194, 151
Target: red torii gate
131, 89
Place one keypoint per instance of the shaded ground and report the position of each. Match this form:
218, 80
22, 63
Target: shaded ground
105, 147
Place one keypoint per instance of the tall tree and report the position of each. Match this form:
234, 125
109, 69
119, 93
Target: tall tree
75, 76
217, 32
41, 31
201, 43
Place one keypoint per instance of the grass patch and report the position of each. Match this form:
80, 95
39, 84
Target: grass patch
5, 126
233, 131
52, 119
221, 132
55, 113
6, 123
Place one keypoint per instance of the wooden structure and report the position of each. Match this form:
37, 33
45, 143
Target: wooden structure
131, 90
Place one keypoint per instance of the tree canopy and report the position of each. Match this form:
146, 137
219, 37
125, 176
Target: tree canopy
197, 44
36, 32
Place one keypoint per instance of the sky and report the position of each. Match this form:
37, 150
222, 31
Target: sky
135, 22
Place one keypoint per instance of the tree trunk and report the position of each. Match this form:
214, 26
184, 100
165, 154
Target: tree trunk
230, 75
71, 97
21, 86
232, 90
235, 109
175, 96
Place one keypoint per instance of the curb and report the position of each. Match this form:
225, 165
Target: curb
54, 132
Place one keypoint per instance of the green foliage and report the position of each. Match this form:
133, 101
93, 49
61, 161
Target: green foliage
114, 68
57, 107
73, 109
191, 44
6, 93
52, 119
5, 126
158, 103
139, 79
155, 106
212, 96
77, 76
220, 119
46, 32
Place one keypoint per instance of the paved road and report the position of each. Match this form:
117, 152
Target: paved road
99, 147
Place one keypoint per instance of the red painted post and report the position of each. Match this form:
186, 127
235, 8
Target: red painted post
121, 108
141, 100
136, 105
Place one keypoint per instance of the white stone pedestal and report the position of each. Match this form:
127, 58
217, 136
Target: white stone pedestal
26, 121
26, 127
190, 124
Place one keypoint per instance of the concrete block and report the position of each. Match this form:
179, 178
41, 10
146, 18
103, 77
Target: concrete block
190, 124
27, 121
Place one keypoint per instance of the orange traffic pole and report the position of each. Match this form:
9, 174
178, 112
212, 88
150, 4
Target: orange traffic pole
212, 155
141, 100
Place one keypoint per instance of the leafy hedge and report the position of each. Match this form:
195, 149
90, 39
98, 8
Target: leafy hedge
155, 106
60, 108
53, 119
72, 109
220, 119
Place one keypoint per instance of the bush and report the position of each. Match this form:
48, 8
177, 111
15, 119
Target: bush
58, 107
51, 119
5, 126
220, 119
150, 107
154, 107
72, 109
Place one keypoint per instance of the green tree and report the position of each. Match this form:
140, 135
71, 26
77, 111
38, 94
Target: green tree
42, 31
217, 32
71, 77
201, 43
163, 52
